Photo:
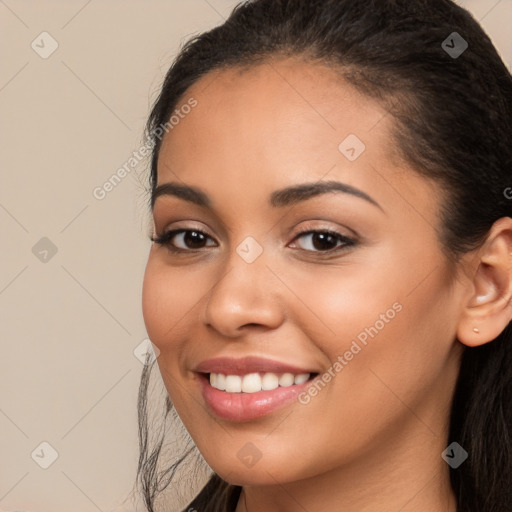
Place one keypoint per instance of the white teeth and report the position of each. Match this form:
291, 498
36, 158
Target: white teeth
233, 383
299, 379
218, 381
221, 382
286, 380
269, 381
254, 382
251, 383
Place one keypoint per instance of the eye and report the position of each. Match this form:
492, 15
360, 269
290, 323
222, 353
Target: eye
182, 240
324, 241
188, 240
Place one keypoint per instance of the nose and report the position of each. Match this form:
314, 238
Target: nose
245, 296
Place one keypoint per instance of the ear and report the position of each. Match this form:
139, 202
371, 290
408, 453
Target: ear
489, 308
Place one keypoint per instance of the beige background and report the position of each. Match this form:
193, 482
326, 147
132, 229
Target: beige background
70, 323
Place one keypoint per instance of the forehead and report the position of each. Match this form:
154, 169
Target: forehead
277, 110
278, 123
274, 91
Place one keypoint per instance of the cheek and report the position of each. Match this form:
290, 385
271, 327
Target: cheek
166, 300
383, 319
152, 297
162, 302
339, 303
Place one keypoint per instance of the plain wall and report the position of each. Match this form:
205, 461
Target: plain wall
70, 321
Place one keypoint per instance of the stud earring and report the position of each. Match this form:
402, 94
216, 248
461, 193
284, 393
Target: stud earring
476, 330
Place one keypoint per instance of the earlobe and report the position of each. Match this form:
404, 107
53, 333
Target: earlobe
489, 308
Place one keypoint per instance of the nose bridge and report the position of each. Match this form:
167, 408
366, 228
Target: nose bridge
246, 266
245, 292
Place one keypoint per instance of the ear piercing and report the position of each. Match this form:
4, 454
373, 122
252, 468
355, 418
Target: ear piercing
476, 330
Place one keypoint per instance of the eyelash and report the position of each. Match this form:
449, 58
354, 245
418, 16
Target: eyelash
164, 239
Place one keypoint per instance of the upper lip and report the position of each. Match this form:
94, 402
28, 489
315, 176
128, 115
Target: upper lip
244, 365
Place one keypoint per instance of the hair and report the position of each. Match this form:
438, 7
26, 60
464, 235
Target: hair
451, 123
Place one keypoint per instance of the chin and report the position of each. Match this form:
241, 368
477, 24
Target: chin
262, 476
265, 471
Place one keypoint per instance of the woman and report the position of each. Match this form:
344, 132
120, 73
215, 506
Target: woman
330, 283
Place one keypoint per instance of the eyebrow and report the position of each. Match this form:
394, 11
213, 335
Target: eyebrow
285, 197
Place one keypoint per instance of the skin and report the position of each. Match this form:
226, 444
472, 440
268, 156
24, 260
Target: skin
372, 438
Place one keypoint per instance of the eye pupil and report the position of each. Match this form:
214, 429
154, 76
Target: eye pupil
194, 239
324, 239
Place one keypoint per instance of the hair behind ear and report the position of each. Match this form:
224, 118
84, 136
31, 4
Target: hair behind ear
481, 422
216, 496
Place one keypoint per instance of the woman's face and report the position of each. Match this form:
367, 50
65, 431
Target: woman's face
369, 311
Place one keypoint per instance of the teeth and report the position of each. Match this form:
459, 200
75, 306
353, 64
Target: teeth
233, 383
254, 382
286, 380
218, 381
221, 382
269, 381
299, 379
251, 383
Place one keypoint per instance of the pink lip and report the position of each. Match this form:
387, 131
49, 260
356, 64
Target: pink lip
249, 364
242, 407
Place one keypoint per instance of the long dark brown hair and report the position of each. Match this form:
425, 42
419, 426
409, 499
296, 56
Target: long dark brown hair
452, 123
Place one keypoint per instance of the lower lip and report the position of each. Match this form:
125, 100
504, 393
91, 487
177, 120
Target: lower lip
248, 406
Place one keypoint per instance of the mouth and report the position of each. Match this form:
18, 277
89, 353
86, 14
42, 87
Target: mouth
247, 397
256, 381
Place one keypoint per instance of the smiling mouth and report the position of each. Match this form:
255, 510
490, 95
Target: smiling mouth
256, 381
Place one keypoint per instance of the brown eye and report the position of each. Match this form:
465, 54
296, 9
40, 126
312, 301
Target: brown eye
183, 239
324, 241
192, 239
